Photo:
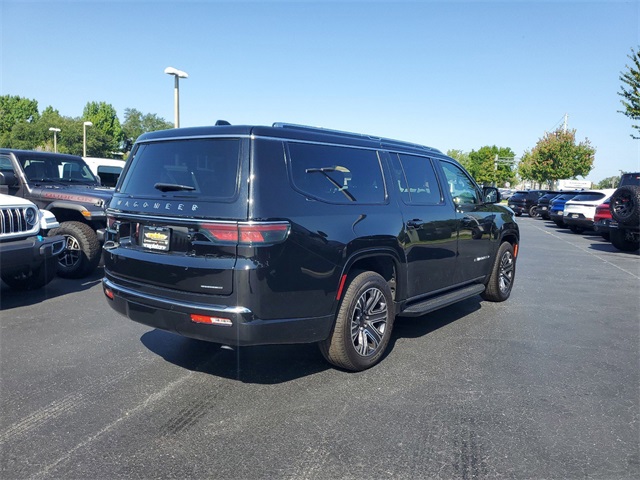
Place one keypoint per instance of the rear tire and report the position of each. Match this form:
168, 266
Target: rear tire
363, 323
500, 283
82, 255
533, 211
619, 241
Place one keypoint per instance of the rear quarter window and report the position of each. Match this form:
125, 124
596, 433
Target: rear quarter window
336, 174
202, 168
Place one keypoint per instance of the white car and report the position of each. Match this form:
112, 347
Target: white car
107, 169
28, 259
580, 210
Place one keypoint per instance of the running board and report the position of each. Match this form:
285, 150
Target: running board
440, 301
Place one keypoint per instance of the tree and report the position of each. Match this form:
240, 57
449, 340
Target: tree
631, 94
492, 165
609, 182
557, 156
460, 156
135, 124
105, 136
15, 110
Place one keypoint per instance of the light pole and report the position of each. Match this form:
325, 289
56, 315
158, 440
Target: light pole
176, 92
84, 137
55, 138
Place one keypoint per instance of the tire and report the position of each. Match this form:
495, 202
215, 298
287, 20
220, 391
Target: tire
37, 278
500, 283
83, 251
363, 323
576, 229
559, 223
619, 241
533, 211
625, 205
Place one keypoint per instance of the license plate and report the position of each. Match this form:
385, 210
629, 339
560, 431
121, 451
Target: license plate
544, 208
574, 215
156, 238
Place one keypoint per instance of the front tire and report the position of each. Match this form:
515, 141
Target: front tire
500, 283
363, 324
82, 255
533, 211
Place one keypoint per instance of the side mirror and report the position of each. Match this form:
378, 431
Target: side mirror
490, 195
8, 178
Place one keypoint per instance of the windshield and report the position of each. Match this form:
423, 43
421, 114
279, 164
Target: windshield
184, 168
56, 169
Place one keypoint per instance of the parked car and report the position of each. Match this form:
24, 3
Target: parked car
601, 220
27, 259
249, 235
506, 193
106, 170
624, 229
579, 211
526, 201
543, 204
556, 208
64, 185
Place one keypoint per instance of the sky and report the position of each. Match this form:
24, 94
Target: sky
447, 74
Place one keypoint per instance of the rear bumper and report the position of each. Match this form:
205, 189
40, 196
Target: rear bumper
29, 253
581, 221
245, 329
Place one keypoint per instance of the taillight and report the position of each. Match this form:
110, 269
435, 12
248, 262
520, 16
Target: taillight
209, 320
249, 233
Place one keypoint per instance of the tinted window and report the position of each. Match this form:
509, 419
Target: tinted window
203, 168
463, 190
416, 180
337, 174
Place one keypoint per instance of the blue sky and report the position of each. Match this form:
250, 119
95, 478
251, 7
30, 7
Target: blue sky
451, 75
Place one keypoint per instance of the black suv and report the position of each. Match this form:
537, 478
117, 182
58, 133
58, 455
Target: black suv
64, 185
544, 203
248, 235
624, 228
526, 201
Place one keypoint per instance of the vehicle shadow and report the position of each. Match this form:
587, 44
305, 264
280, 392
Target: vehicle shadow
56, 288
273, 364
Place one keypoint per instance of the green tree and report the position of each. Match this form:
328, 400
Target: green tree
135, 124
609, 182
557, 156
492, 165
631, 93
105, 136
460, 156
15, 110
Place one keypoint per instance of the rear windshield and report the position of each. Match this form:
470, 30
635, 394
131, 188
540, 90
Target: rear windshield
588, 197
203, 168
56, 169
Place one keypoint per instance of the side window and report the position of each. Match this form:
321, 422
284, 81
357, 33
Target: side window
463, 190
416, 180
337, 174
5, 164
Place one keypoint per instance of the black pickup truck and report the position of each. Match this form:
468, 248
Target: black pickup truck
64, 185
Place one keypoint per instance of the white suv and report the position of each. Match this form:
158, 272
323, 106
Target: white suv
28, 260
580, 210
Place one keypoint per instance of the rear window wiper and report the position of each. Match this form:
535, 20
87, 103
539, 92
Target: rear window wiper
173, 187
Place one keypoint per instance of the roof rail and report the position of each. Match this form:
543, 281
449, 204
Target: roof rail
343, 133
294, 126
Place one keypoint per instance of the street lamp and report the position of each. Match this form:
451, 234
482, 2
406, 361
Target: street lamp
84, 137
176, 91
55, 138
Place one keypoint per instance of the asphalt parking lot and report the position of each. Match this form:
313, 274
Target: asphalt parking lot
546, 385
